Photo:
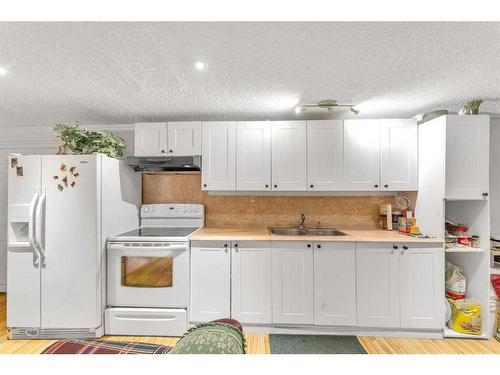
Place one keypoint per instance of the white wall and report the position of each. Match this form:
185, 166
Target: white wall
35, 140
495, 177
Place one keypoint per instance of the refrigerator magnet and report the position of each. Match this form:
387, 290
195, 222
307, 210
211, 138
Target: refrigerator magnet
13, 162
19, 171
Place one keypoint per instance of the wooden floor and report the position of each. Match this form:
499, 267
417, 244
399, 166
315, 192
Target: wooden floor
259, 343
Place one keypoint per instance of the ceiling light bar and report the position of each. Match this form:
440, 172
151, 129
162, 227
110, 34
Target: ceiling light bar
327, 104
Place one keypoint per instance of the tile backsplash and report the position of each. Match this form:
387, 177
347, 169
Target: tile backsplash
262, 211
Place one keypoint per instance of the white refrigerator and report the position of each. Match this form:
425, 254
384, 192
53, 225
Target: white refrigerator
61, 209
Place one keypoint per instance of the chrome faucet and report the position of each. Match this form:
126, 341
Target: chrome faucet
301, 221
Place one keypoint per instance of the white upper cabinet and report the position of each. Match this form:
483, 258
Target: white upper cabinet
292, 284
251, 295
325, 158
335, 283
289, 146
150, 139
323, 155
173, 138
218, 170
184, 138
398, 155
362, 154
253, 163
467, 157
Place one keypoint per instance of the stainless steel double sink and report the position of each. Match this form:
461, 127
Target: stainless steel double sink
306, 232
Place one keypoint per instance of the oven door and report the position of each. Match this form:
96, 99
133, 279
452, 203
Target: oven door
148, 274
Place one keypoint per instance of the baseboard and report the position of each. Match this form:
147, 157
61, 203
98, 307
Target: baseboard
3, 288
344, 331
291, 329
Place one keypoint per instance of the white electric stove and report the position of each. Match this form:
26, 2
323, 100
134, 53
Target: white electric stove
148, 272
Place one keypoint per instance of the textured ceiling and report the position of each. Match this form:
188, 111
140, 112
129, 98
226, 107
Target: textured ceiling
97, 73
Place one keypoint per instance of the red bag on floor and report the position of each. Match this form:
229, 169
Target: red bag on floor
495, 281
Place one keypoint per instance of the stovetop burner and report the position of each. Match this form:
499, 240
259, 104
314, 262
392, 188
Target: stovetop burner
155, 234
159, 232
169, 222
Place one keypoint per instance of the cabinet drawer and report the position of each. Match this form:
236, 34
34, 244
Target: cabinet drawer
145, 322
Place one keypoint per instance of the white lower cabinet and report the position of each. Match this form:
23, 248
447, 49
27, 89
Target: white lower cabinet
365, 284
210, 280
335, 283
400, 285
292, 284
377, 275
422, 284
251, 298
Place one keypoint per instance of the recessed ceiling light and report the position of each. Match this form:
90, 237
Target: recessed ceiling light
3, 71
199, 65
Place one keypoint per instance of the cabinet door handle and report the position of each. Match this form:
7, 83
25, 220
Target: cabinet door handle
308, 245
375, 186
405, 247
318, 246
386, 186
311, 186
235, 245
204, 185
171, 151
267, 186
485, 195
394, 247
275, 186
162, 151
225, 245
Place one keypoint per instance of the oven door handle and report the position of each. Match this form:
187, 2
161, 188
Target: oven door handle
141, 318
119, 247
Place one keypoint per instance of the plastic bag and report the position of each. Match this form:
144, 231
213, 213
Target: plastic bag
455, 283
465, 316
495, 281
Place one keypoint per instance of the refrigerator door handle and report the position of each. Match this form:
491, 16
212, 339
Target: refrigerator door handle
39, 231
32, 226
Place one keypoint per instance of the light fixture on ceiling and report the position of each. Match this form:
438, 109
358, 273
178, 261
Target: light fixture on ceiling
3, 71
328, 104
200, 65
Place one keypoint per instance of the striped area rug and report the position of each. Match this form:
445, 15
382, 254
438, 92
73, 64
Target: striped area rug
104, 347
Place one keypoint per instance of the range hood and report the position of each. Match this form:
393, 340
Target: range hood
164, 163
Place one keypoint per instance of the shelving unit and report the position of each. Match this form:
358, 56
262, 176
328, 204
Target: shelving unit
468, 250
449, 333
453, 185
474, 214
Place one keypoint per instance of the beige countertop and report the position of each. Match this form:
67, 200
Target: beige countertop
226, 234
